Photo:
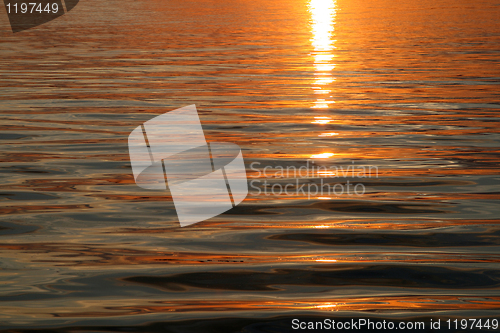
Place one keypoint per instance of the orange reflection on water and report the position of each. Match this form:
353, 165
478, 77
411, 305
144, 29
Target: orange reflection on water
323, 19
135, 306
322, 155
321, 120
326, 306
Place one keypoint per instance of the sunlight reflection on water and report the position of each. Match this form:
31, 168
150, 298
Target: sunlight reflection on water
415, 88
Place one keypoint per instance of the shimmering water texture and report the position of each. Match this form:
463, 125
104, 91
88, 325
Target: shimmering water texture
410, 88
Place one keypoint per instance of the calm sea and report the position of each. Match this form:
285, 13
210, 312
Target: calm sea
408, 88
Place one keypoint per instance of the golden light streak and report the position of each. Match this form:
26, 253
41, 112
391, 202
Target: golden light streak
321, 104
323, 155
326, 173
326, 306
323, 14
321, 121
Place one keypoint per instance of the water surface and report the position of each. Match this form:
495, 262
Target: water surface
409, 87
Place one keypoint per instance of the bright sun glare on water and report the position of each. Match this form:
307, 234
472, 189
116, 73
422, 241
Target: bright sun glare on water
323, 20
